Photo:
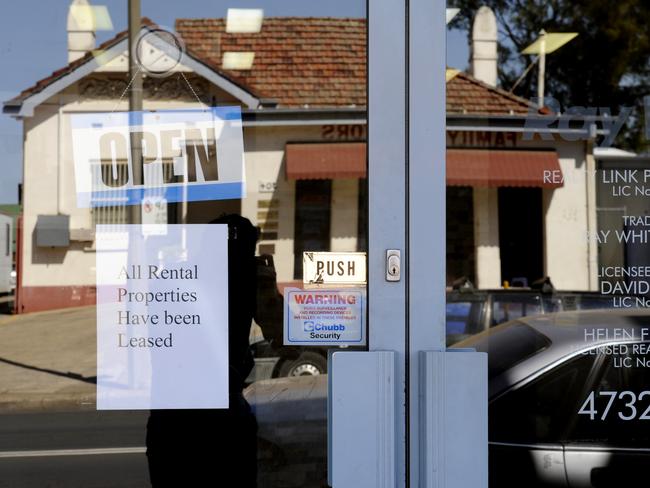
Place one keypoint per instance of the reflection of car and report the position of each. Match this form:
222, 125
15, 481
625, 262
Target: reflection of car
470, 311
278, 361
569, 401
292, 431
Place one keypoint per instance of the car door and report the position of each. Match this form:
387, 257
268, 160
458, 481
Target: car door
609, 440
527, 424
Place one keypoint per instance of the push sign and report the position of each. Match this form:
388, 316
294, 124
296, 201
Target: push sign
337, 268
186, 155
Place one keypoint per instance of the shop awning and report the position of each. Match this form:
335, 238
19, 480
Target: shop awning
465, 167
493, 168
326, 161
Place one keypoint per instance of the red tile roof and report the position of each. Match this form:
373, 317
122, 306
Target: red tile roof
319, 62
315, 62
467, 95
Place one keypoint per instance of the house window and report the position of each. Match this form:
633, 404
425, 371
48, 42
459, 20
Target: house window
312, 224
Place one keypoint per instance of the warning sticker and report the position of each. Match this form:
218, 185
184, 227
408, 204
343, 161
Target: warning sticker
324, 317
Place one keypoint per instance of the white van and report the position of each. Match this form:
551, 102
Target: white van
6, 254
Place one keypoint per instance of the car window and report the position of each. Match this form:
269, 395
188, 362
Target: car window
540, 410
617, 410
594, 302
508, 345
458, 315
551, 303
463, 317
510, 307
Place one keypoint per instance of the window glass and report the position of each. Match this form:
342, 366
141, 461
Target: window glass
458, 317
168, 168
313, 203
514, 306
540, 410
508, 345
616, 410
548, 178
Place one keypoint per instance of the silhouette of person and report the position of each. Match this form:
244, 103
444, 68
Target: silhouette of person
219, 447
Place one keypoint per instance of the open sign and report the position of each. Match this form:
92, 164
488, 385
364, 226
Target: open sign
185, 155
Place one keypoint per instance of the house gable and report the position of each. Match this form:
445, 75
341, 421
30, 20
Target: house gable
112, 56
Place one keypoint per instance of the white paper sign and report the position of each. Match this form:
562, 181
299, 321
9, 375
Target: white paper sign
324, 317
162, 317
187, 155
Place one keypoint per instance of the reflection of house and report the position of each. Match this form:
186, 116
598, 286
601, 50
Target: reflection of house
304, 134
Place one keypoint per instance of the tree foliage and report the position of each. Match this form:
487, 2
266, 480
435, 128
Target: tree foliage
607, 65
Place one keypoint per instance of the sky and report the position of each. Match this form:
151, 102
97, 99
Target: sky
33, 44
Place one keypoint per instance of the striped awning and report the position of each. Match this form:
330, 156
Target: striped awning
465, 167
326, 161
494, 168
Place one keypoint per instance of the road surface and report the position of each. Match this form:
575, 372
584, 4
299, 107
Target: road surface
85, 449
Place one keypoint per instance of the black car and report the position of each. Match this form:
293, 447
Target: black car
569, 404
569, 399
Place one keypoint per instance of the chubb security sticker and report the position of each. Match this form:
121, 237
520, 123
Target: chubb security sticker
324, 317
186, 155
162, 317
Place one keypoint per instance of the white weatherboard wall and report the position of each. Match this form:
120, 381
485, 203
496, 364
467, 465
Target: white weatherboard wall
345, 215
486, 237
566, 222
48, 190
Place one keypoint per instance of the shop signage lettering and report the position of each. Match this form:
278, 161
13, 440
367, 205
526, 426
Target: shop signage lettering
574, 123
343, 132
334, 268
185, 155
456, 138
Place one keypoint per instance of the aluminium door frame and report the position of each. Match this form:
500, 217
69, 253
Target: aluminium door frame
406, 175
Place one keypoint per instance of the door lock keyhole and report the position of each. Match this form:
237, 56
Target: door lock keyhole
393, 265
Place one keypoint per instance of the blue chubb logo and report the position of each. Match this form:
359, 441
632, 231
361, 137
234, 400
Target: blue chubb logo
311, 326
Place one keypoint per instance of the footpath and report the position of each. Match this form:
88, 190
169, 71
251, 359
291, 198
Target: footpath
48, 360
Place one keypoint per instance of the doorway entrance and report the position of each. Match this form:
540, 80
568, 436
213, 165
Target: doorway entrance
521, 235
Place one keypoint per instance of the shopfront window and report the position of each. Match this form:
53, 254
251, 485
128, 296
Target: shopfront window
191, 239
559, 223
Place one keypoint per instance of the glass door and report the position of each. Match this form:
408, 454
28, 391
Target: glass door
202, 219
547, 158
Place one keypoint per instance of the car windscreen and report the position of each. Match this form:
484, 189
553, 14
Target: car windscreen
512, 306
508, 345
